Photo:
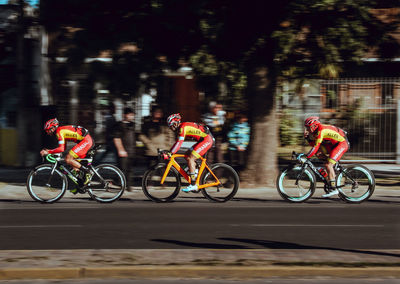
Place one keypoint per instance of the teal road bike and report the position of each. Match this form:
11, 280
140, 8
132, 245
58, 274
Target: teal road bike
48, 182
297, 182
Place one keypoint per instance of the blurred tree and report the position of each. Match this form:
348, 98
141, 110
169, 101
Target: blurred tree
247, 45
291, 39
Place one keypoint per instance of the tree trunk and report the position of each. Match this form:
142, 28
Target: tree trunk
262, 167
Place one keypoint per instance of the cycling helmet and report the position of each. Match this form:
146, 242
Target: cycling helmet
312, 122
51, 123
174, 120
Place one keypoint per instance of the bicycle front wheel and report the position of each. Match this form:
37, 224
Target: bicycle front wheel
45, 186
355, 184
228, 186
154, 190
296, 185
107, 184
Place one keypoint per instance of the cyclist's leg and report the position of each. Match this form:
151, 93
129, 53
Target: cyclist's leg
334, 156
197, 150
79, 151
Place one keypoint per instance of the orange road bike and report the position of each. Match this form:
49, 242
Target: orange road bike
162, 182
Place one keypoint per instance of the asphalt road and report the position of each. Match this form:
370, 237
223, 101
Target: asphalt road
196, 223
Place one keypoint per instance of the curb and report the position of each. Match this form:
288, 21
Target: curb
205, 272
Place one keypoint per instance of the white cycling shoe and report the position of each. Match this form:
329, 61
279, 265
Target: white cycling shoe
331, 193
190, 188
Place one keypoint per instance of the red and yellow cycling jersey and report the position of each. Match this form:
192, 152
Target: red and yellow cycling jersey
75, 134
330, 136
197, 132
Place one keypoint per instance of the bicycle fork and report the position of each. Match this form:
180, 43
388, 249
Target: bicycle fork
303, 168
51, 175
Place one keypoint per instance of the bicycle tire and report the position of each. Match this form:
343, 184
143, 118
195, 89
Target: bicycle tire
154, 190
229, 183
287, 188
114, 188
38, 188
363, 176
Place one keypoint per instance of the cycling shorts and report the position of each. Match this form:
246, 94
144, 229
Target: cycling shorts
80, 149
335, 152
199, 149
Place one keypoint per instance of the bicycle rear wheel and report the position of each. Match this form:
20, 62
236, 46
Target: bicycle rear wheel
107, 185
229, 183
294, 185
154, 190
355, 184
45, 187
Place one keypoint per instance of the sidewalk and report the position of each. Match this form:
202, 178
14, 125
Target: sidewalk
198, 263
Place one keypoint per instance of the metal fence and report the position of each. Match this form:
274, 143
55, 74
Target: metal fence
366, 108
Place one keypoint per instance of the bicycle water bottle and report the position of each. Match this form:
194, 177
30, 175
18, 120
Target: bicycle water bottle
323, 172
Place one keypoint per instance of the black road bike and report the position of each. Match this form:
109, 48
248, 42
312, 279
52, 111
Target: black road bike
48, 182
297, 182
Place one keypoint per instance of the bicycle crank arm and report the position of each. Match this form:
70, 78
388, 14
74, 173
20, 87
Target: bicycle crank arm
209, 185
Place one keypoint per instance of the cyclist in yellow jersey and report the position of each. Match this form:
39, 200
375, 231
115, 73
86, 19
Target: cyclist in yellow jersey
73, 133
328, 143
197, 132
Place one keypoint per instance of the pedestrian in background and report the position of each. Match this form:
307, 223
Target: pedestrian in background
238, 138
155, 135
110, 122
215, 120
125, 143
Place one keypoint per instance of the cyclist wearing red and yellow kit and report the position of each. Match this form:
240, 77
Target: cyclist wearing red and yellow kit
329, 143
72, 133
194, 131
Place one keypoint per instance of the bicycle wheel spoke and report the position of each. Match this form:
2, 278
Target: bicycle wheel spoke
44, 187
108, 184
296, 185
156, 191
356, 184
229, 183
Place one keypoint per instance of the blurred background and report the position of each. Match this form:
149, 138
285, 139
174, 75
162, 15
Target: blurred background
275, 64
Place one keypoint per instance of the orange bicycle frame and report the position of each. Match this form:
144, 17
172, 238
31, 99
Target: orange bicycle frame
203, 166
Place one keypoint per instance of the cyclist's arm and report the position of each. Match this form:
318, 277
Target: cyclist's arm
177, 145
317, 144
61, 145
179, 142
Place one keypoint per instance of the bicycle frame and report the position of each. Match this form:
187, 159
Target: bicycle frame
203, 166
56, 160
309, 164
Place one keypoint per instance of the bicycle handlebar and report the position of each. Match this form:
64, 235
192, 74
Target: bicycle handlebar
52, 158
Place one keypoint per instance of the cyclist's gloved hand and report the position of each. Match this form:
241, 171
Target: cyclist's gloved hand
302, 158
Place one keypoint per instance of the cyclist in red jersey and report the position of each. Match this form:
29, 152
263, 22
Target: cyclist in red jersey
329, 143
197, 132
73, 133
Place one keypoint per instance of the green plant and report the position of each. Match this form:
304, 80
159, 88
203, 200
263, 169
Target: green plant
290, 131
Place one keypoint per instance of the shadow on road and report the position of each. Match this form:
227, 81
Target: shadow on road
286, 245
200, 245
250, 243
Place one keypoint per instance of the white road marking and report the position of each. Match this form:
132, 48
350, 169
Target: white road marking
39, 226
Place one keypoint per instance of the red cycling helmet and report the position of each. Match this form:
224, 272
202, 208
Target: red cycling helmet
51, 123
312, 122
174, 120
